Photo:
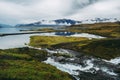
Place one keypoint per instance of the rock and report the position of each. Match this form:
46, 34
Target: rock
99, 75
59, 59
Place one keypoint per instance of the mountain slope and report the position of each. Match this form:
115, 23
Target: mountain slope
67, 22
4, 25
58, 22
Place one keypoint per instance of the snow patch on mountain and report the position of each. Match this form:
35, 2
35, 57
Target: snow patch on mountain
68, 22
100, 20
58, 22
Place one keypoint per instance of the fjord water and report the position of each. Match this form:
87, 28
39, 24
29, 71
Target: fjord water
14, 41
8, 30
17, 29
4, 30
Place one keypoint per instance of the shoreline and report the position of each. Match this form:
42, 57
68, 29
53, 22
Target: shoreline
27, 32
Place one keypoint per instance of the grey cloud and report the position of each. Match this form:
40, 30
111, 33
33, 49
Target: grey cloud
103, 8
21, 11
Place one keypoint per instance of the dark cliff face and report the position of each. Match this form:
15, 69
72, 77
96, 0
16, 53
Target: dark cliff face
67, 21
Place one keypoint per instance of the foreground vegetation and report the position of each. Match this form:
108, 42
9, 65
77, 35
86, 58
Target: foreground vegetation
25, 64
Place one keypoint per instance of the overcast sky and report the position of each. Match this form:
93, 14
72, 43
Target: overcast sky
26, 11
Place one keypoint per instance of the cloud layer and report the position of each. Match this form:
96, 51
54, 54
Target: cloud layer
25, 11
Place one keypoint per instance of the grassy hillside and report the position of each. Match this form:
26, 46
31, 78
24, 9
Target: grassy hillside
107, 49
104, 29
25, 64
103, 48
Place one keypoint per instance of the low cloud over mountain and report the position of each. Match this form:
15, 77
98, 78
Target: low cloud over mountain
26, 11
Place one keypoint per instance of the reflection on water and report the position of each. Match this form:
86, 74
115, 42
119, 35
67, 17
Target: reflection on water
64, 33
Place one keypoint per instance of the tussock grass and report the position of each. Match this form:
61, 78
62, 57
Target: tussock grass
25, 64
48, 41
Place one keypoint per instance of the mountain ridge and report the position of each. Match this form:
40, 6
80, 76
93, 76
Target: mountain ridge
4, 25
58, 22
67, 22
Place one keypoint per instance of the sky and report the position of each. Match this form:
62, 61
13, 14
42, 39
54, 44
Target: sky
27, 11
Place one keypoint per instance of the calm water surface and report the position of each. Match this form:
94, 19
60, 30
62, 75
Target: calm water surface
13, 41
18, 29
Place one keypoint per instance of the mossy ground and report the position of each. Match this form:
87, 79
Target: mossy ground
105, 49
48, 41
25, 64
102, 48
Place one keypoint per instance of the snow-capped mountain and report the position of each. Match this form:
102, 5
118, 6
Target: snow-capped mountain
99, 20
58, 22
68, 22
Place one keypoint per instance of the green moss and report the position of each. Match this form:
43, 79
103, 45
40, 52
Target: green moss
24, 64
26, 52
30, 70
48, 41
106, 49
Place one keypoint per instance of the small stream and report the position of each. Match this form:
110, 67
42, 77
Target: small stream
85, 66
